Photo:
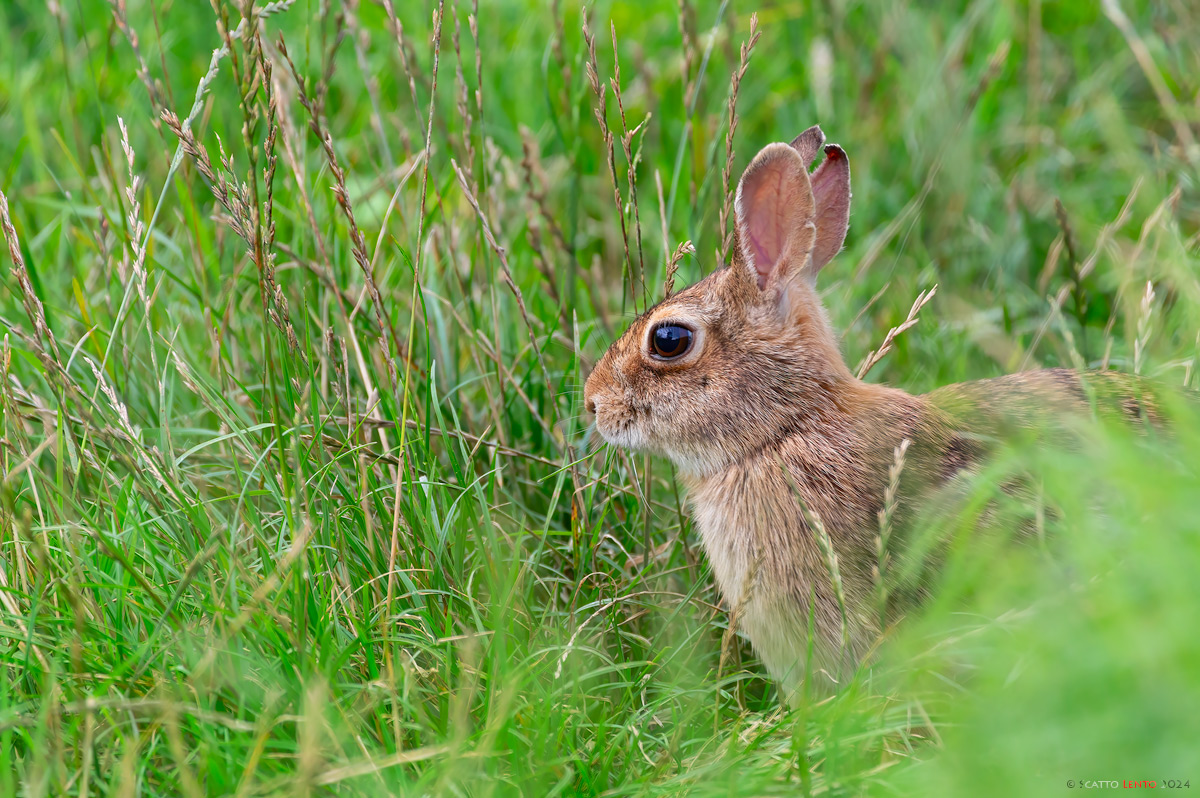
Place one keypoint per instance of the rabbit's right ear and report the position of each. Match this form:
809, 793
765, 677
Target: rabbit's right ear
775, 214
831, 193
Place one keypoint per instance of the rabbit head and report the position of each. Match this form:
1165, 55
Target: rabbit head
746, 355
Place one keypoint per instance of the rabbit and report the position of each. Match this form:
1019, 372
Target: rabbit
739, 381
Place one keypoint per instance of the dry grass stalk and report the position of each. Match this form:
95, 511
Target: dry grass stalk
242, 215
1164, 211
687, 34
437, 51
296, 164
149, 456
749, 583
556, 49
691, 93
271, 159
426, 156
686, 248
535, 186
202, 87
601, 113
230, 194
1190, 366
424, 195
330, 341
662, 213
403, 467
462, 102
206, 80
373, 765
210, 75
1143, 328
1166, 98
134, 218
1102, 240
8, 590
451, 235
627, 136
901, 221
887, 515
361, 39
408, 66
344, 300
358, 245
120, 17
829, 554
96, 427
473, 26
505, 271
535, 181
321, 89
46, 346
1077, 360
735, 84
877, 355
144, 458
533, 234
137, 230
280, 314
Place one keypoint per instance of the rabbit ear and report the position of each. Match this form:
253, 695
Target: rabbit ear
775, 213
808, 144
831, 194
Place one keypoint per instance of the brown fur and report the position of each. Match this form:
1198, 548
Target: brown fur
762, 411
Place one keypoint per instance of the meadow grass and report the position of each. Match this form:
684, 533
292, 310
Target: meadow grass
298, 494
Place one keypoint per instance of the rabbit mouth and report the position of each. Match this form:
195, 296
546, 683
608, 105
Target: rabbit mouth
619, 426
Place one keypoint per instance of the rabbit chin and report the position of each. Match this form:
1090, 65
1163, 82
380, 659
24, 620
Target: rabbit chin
624, 436
632, 435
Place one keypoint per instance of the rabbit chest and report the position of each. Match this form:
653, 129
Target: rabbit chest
768, 565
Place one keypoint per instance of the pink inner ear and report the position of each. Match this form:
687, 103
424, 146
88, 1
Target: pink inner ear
767, 233
774, 210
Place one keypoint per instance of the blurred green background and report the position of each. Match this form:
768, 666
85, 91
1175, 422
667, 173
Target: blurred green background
271, 527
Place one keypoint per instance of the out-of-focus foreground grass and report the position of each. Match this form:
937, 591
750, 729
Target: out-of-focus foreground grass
296, 490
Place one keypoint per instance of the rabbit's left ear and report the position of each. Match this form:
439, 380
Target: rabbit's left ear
831, 195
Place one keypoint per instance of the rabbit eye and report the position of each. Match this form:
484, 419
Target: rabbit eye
670, 341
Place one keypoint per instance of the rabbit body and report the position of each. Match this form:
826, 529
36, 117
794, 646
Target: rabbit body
766, 558
739, 381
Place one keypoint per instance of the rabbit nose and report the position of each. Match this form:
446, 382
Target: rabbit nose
590, 405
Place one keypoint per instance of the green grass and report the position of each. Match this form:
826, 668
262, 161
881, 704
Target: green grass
248, 547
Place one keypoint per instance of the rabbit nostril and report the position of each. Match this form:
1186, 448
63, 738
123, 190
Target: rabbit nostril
590, 405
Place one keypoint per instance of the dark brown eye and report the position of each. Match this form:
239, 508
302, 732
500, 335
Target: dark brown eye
670, 341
